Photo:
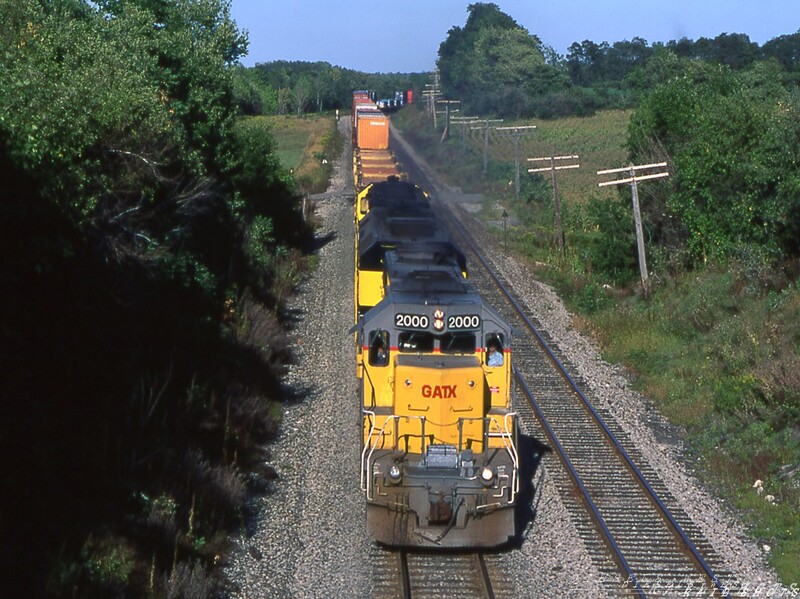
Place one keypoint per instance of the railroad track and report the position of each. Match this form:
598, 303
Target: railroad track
406, 574
639, 538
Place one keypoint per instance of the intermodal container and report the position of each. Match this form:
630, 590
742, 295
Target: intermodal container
372, 129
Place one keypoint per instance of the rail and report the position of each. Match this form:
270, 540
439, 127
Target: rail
631, 466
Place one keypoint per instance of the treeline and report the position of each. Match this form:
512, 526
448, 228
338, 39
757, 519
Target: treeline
496, 67
293, 87
146, 238
724, 114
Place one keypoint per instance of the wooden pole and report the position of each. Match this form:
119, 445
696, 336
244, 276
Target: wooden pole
556, 201
637, 216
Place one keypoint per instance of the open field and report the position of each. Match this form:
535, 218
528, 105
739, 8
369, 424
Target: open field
304, 146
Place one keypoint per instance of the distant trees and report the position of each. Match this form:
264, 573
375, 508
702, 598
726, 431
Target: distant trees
313, 86
786, 50
495, 67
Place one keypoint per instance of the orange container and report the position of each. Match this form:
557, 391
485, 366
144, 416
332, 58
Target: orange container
373, 130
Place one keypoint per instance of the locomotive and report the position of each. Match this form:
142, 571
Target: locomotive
439, 459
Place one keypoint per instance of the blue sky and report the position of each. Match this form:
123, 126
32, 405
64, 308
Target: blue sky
404, 35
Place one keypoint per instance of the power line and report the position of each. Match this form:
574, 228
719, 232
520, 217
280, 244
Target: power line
517, 133
485, 128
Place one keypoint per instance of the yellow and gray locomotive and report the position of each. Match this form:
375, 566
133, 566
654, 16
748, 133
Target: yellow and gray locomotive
439, 463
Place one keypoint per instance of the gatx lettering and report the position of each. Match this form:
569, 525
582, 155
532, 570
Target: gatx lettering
439, 391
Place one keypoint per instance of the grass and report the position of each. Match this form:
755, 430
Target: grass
306, 146
717, 349
598, 141
294, 137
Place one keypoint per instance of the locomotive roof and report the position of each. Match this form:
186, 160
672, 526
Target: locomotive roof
420, 282
425, 292
422, 291
394, 190
386, 228
424, 255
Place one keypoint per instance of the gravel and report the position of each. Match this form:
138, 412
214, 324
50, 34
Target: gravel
309, 537
659, 442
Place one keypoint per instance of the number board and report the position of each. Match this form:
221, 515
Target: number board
459, 322
463, 322
412, 321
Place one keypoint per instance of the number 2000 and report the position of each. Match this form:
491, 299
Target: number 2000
411, 321
464, 322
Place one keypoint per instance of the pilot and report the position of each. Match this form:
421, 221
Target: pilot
381, 355
494, 355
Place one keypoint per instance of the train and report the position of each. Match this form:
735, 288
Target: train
440, 465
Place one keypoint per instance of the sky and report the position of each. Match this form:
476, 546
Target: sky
404, 35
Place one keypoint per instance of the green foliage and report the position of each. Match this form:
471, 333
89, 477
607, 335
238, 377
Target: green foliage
720, 357
147, 212
611, 247
297, 86
733, 140
494, 65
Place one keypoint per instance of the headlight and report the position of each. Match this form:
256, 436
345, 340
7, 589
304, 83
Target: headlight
487, 476
395, 474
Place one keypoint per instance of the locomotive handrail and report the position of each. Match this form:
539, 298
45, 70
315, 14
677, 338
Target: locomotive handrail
370, 445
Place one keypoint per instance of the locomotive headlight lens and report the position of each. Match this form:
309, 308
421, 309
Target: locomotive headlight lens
394, 473
487, 475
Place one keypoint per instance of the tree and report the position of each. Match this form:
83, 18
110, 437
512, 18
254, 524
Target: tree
732, 139
584, 61
132, 218
301, 93
489, 62
786, 50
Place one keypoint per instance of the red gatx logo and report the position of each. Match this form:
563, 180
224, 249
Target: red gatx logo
439, 391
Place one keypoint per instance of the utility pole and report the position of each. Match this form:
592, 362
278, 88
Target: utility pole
637, 216
430, 96
447, 111
431, 93
464, 121
516, 133
556, 203
485, 129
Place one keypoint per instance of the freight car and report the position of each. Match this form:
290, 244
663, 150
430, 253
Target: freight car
439, 460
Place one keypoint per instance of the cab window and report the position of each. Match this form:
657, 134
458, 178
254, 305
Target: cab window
379, 348
457, 343
494, 344
410, 341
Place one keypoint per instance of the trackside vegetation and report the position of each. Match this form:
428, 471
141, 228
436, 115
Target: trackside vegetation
714, 342
149, 239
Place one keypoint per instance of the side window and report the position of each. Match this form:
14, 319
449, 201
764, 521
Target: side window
378, 348
494, 349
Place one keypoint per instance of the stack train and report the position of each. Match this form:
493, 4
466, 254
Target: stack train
439, 459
